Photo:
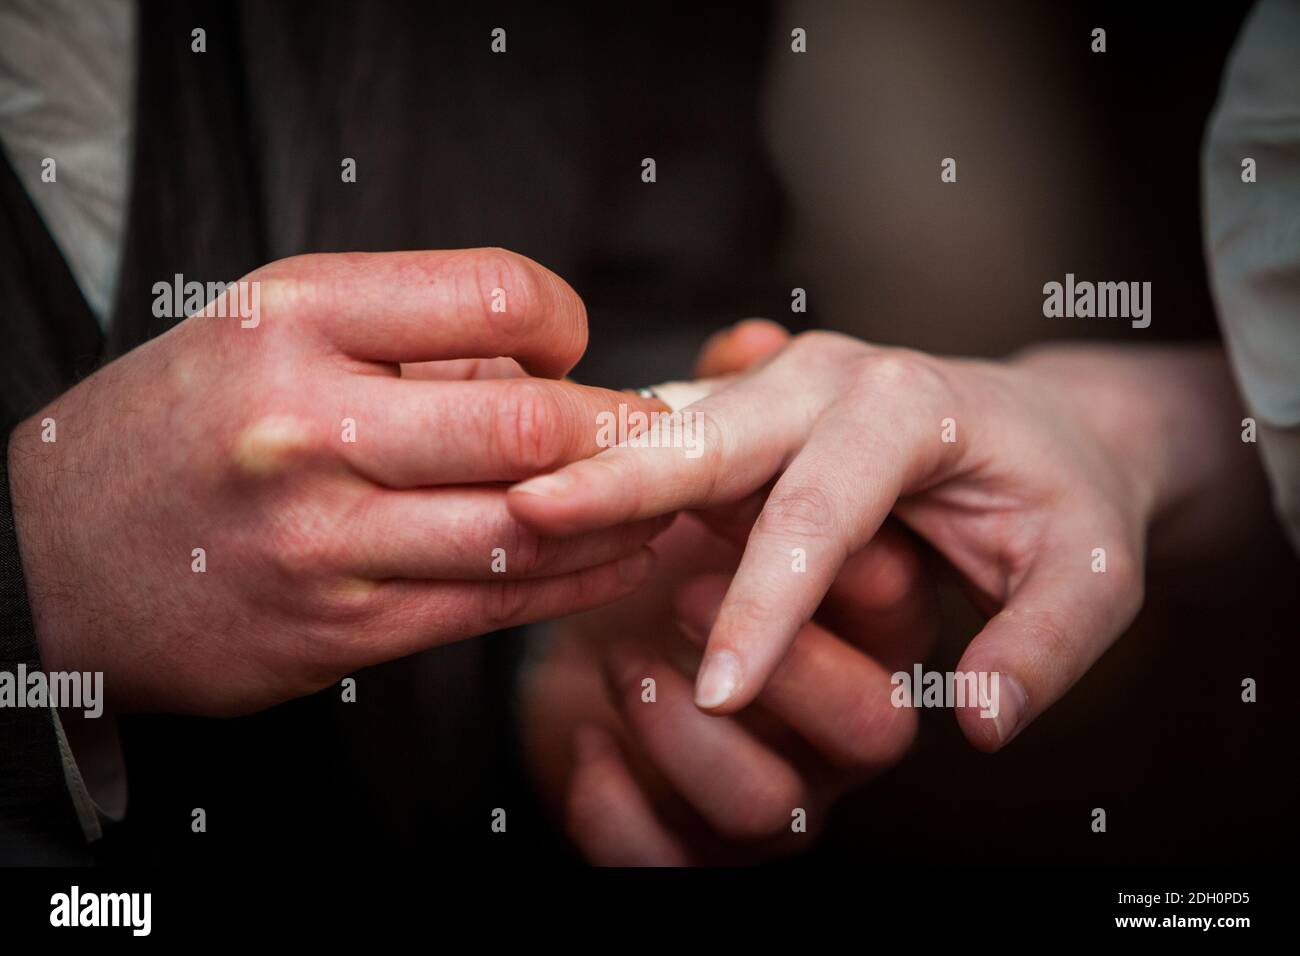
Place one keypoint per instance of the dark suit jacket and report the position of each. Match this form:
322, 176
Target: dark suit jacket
237, 162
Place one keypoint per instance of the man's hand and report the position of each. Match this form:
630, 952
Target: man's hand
1037, 479
639, 775
231, 516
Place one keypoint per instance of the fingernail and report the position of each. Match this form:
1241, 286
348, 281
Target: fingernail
718, 681
634, 568
1011, 708
547, 486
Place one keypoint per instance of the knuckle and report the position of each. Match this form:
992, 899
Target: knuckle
761, 806
747, 616
898, 369
708, 469
282, 296
527, 291
518, 275
300, 555
822, 342
714, 440
505, 603
893, 576
537, 301
800, 512
529, 421
527, 551
345, 601
285, 284
826, 355
302, 539
876, 735
272, 444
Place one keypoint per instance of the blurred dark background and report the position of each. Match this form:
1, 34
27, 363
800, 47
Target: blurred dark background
775, 170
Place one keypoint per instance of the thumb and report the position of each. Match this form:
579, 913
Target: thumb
1059, 621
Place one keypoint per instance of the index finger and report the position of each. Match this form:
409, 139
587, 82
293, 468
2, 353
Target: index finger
715, 451
836, 697
826, 506
431, 305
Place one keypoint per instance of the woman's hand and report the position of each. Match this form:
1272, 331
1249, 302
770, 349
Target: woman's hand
1036, 478
639, 775
658, 782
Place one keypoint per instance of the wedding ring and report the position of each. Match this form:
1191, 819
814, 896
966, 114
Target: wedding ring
678, 395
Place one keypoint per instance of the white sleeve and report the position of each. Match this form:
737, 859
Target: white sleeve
1252, 234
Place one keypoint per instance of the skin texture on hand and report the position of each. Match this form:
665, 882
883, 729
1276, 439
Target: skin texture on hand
658, 782
339, 466
640, 781
1020, 474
